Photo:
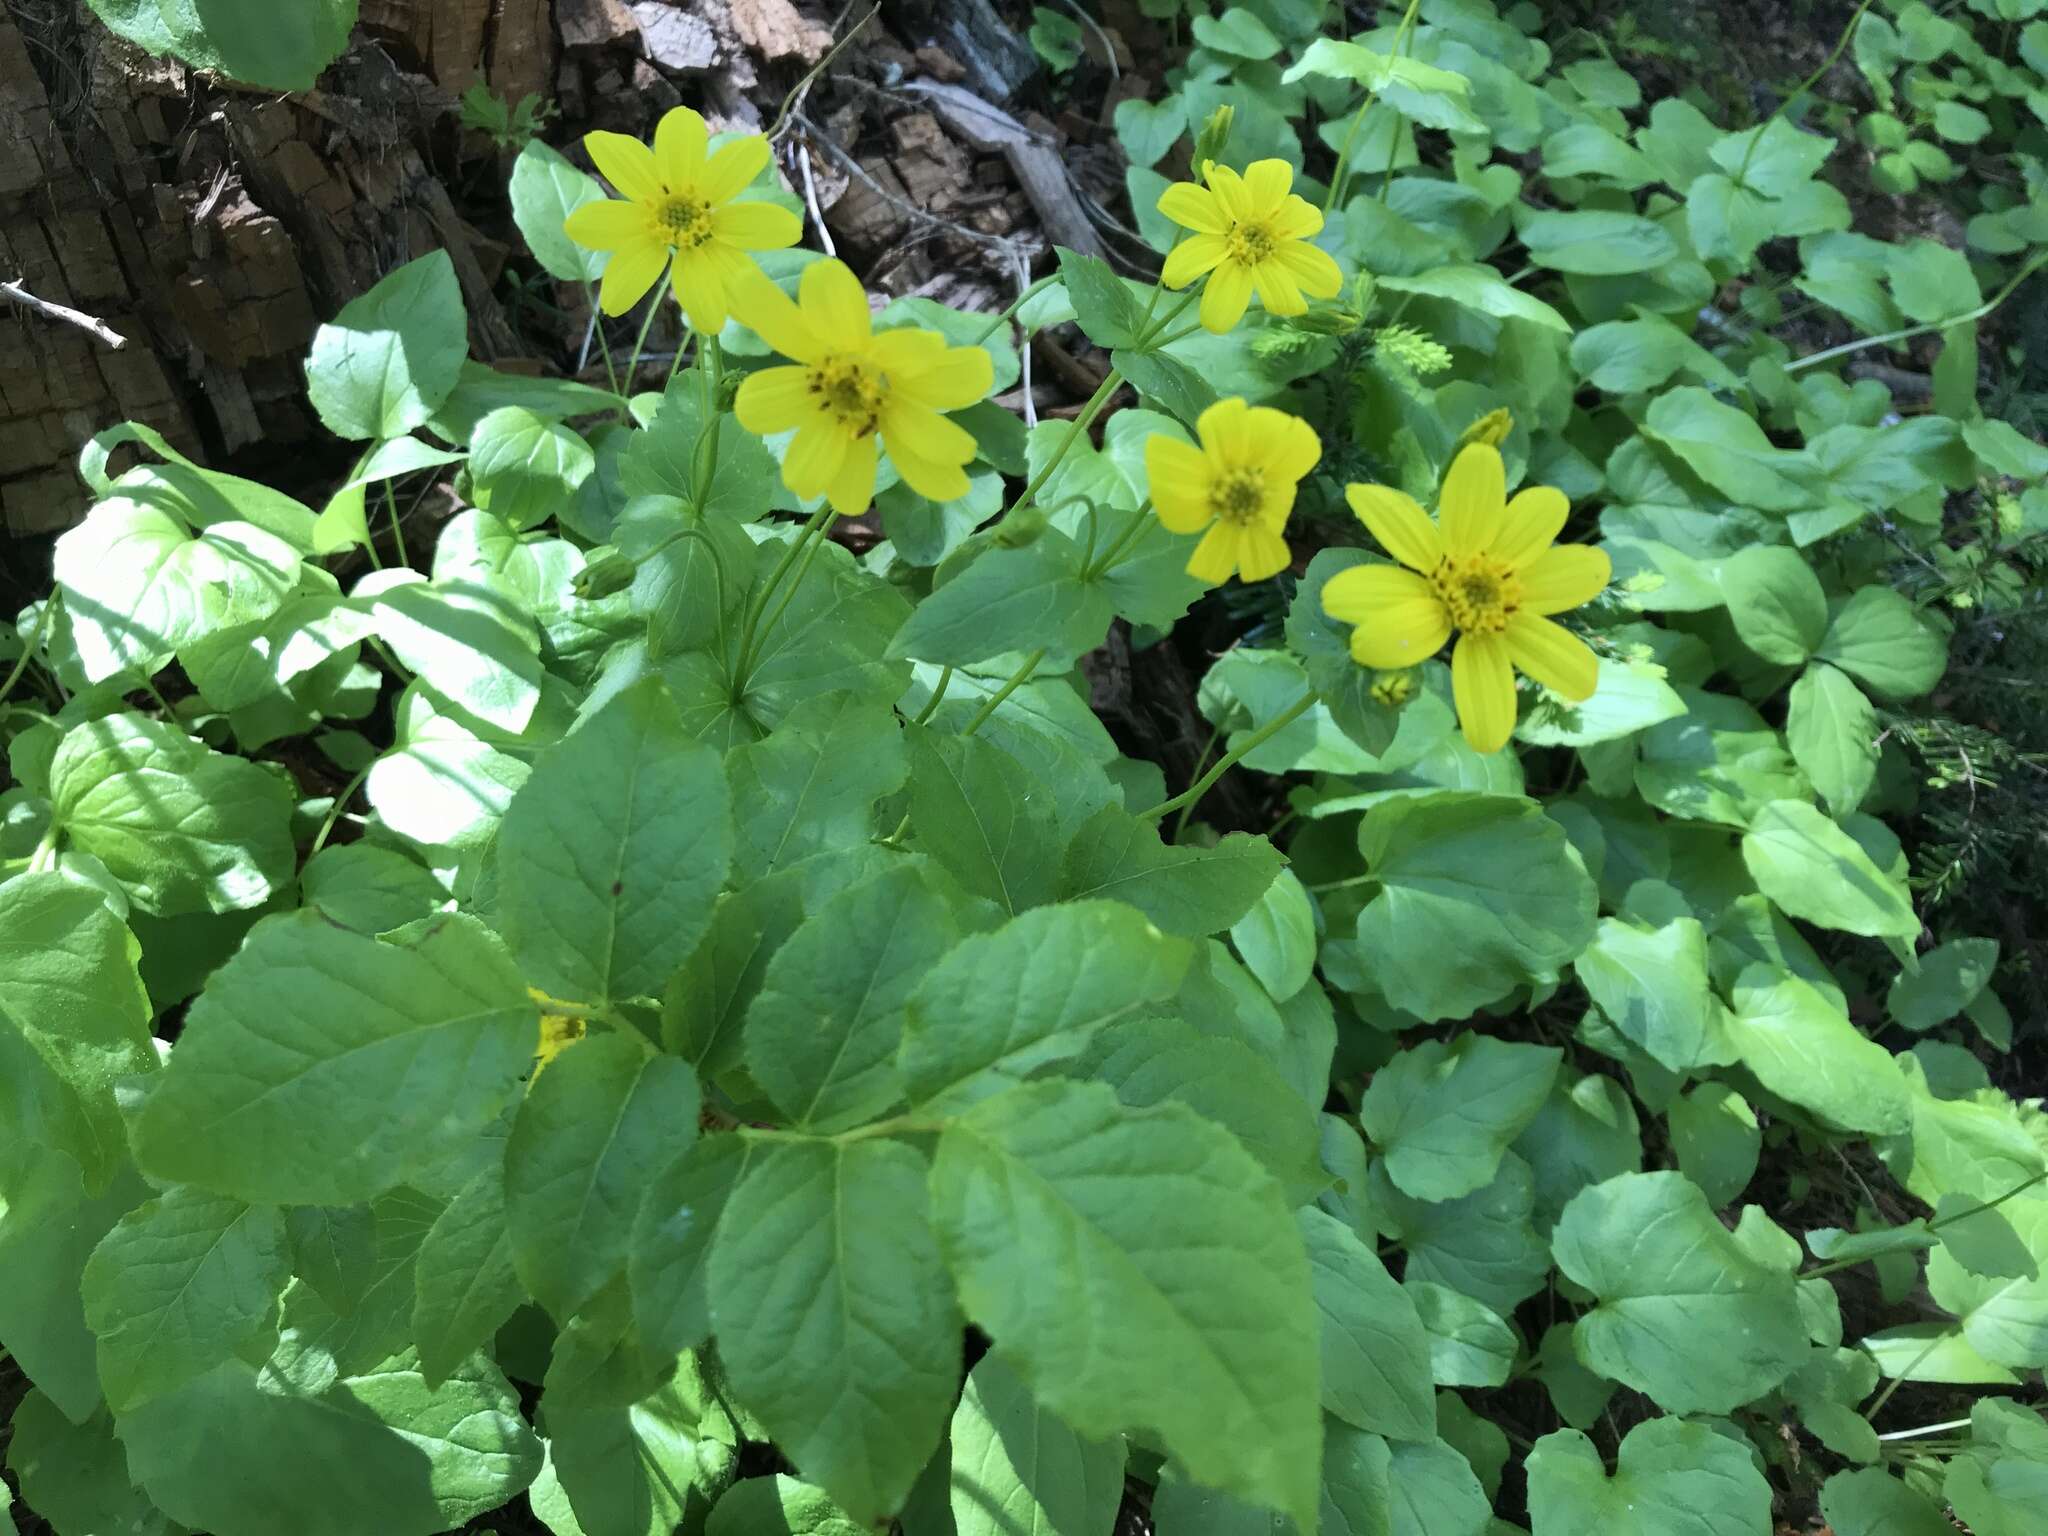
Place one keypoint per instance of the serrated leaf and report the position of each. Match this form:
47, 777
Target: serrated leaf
1016, 1470
1010, 600
671, 1241
811, 784
978, 813
385, 363
464, 1282
1375, 1352
1443, 1115
1802, 1047
1188, 891
1814, 870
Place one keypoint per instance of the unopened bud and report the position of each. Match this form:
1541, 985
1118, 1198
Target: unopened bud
1214, 135
1393, 689
1491, 429
1020, 528
609, 572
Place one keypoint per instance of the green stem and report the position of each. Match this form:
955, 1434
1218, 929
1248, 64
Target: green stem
931, 705
397, 533
1146, 341
1911, 331
1078, 429
1158, 288
28, 646
816, 521
1251, 743
604, 347
334, 811
1009, 311
1098, 565
639, 341
1870, 1414
1343, 165
710, 369
1933, 1226
994, 701
1180, 820
1804, 86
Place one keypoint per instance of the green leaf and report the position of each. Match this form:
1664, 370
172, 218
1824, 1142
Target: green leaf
1237, 32
470, 644
238, 38
180, 1283
613, 852
1218, 1359
1488, 876
1776, 601
1716, 1137
1984, 1242
545, 190
1886, 643
1652, 984
1585, 1133
1949, 979
1814, 870
1802, 1047
1470, 1345
1665, 1274
662, 459
1625, 357
73, 1475
379, 1451
1832, 730
1671, 1478
811, 784
1188, 891
2004, 1316
1869, 1501
367, 888
524, 466
320, 1067
1932, 282
1483, 289
1148, 129
1160, 377
822, 1033
464, 1282
1374, 1350
980, 816
1277, 937
1010, 600
385, 363
590, 1127
1594, 243
440, 784
672, 1239
1104, 305
778, 1506
1016, 1468
183, 828
631, 1465
1442, 1116
1484, 1244
1001, 1005
1728, 450
834, 1318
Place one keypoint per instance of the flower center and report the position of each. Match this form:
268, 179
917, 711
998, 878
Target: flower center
1481, 593
850, 389
1249, 244
684, 221
1237, 495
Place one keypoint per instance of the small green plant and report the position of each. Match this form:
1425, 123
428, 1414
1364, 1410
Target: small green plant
510, 127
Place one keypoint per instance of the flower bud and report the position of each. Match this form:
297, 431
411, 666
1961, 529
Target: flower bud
1491, 429
1215, 133
1393, 689
607, 573
1019, 529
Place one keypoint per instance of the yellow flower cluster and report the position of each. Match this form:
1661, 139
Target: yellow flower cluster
1250, 232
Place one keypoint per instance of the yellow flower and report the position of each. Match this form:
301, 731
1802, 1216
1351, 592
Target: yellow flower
1239, 485
853, 389
679, 203
1249, 231
1488, 569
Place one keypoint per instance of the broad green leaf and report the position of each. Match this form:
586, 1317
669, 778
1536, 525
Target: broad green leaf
778, 1506
2004, 1317
1010, 600
1104, 307
1803, 1048
1935, 1352
1218, 1359
1478, 895
631, 1465
1237, 32
589, 1129
1576, 1393
183, 828
545, 190
440, 784
1016, 1470
1715, 1134
1442, 1116
238, 38
385, 363
822, 1033
1869, 1501
835, 1321
1594, 243
1625, 357
1950, 978
320, 1067
1436, 1493
1886, 643
1470, 1344
1163, 379
1375, 1353
1001, 1005
1776, 601
1483, 289
1975, 1146
1832, 730
1188, 891
181, 1283
1652, 984
375, 1451
671, 1240
704, 1003
464, 1282
613, 852
1148, 129
1815, 871
468, 643
811, 785
1984, 1242
1666, 1274
1585, 1133
524, 466
367, 888
141, 579
73, 1475
1671, 1478
978, 813
481, 389
1998, 1486
1728, 450
1932, 282
1277, 937
69, 985
1484, 1244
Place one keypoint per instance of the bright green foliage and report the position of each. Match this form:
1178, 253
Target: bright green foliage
1443, 1116
1014, 1467
1673, 1479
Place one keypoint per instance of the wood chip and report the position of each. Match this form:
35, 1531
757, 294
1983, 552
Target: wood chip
775, 30
595, 23
676, 40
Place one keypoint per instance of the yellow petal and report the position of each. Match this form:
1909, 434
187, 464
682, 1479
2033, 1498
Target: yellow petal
925, 432
1403, 529
1229, 191
626, 163
1312, 267
854, 486
774, 400
1532, 519
1473, 497
1215, 558
1265, 186
1564, 576
1553, 655
776, 320
1178, 475
1401, 621
699, 279
1191, 258
607, 226
1261, 552
1277, 289
1224, 432
836, 306
1226, 296
1296, 218
632, 270
1483, 687
1275, 505
756, 226
733, 168
941, 377
679, 140
1286, 445
813, 458
930, 478
1192, 207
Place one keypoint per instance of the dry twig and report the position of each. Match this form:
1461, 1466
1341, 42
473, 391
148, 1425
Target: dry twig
65, 313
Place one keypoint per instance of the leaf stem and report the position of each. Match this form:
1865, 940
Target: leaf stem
1911, 331
994, 701
1343, 165
1225, 763
397, 533
931, 705
604, 347
333, 816
1098, 565
817, 520
28, 645
639, 341
1801, 89
1076, 429
1009, 311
